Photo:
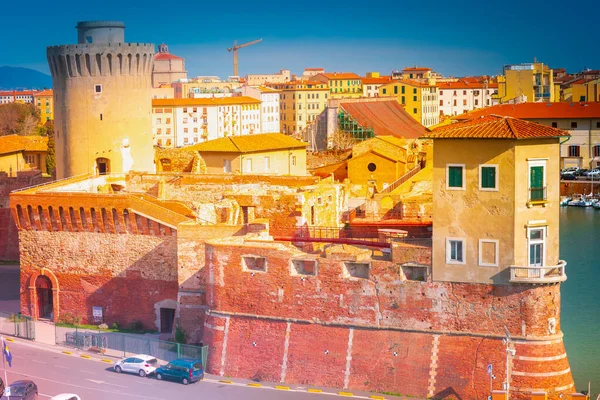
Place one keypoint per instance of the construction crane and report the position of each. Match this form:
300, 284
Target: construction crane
235, 49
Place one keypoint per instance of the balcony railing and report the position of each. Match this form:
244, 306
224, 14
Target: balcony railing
537, 194
544, 274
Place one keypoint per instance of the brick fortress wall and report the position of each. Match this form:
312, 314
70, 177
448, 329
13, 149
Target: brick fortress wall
383, 333
9, 238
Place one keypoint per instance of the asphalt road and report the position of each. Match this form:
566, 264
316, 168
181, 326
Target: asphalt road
55, 373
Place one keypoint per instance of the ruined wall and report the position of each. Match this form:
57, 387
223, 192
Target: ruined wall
124, 274
376, 333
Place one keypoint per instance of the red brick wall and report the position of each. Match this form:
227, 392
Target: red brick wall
413, 338
125, 274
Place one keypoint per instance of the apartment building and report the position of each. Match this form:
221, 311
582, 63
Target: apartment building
284, 75
187, 88
341, 85
371, 83
465, 94
420, 99
18, 96
269, 107
44, 101
183, 122
532, 81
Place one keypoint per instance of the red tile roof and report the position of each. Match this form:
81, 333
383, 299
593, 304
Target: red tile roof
386, 118
560, 110
47, 92
496, 127
16, 143
166, 56
466, 84
341, 75
416, 69
381, 80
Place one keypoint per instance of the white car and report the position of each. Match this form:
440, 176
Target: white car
140, 364
66, 396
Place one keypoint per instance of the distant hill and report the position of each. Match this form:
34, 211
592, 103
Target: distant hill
23, 78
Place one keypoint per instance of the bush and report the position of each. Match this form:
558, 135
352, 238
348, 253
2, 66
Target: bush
103, 326
114, 326
180, 336
136, 326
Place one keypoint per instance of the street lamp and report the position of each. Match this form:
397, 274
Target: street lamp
509, 353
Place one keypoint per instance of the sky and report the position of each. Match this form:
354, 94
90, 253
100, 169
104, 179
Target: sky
453, 38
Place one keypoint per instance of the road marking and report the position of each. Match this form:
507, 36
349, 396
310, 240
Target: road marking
377, 397
67, 352
87, 372
311, 390
39, 362
107, 361
9, 339
84, 356
60, 366
106, 383
224, 381
282, 387
347, 394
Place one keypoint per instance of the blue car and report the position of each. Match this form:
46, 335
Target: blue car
184, 370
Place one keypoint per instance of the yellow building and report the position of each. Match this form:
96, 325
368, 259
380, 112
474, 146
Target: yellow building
44, 101
341, 85
593, 90
417, 73
533, 80
270, 153
23, 153
380, 161
300, 103
496, 196
420, 99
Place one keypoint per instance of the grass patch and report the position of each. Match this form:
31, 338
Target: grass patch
96, 328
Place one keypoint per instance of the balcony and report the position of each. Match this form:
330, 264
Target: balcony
539, 275
537, 195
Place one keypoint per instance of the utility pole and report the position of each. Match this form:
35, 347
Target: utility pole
509, 353
235, 49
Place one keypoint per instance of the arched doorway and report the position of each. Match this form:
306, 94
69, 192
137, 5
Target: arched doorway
102, 166
45, 304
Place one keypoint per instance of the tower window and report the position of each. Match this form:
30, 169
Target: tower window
98, 89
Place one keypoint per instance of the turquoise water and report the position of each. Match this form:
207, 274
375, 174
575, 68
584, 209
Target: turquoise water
580, 294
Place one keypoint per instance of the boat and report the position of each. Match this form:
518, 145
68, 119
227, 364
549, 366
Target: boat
583, 201
565, 200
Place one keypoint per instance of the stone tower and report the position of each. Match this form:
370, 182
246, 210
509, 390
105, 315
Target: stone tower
102, 97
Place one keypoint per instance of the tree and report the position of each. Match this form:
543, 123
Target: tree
19, 119
341, 140
51, 156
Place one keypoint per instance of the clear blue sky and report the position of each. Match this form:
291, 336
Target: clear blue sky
453, 38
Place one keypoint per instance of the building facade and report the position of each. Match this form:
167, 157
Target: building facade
269, 107
167, 68
341, 85
300, 103
44, 101
102, 89
371, 83
23, 153
17, 96
534, 81
420, 99
282, 76
183, 122
205, 85
464, 95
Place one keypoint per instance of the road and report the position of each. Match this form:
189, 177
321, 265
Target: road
55, 373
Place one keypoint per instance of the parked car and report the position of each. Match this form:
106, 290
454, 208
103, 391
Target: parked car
65, 396
593, 173
581, 171
184, 370
21, 390
568, 177
140, 364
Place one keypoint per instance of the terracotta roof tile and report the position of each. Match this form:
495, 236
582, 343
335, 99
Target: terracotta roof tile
249, 143
560, 110
15, 143
47, 92
380, 80
386, 118
341, 75
495, 127
166, 56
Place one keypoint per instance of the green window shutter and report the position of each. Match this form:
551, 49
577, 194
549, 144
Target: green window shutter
403, 87
488, 178
455, 177
537, 182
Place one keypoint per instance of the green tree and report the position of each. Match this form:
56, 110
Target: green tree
19, 119
51, 156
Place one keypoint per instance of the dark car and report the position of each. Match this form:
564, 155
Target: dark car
21, 390
568, 177
581, 171
184, 370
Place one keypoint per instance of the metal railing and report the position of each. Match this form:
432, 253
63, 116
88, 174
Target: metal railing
537, 194
542, 274
128, 344
402, 179
17, 325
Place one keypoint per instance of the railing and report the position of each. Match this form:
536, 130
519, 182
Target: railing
402, 179
17, 325
537, 194
385, 215
543, 274
372, 237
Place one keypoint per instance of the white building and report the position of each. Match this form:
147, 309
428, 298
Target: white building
269, 106
12, 96
183, 122
464, 95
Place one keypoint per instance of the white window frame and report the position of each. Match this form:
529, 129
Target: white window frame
496, 246
267, 163
530, 242
226, 165
535, 162
449, 250
495, 166
464, 177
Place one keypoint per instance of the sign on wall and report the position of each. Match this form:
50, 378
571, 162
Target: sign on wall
97, 314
